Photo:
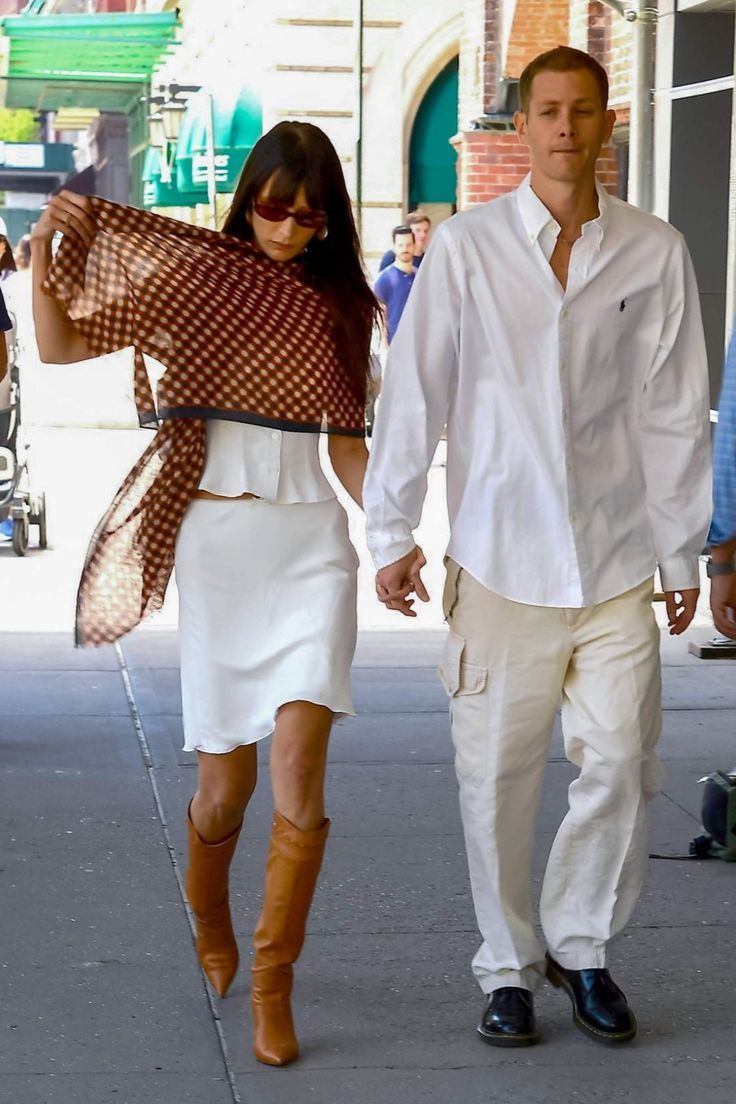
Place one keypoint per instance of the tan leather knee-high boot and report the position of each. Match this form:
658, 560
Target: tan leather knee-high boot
294, 860
206, 884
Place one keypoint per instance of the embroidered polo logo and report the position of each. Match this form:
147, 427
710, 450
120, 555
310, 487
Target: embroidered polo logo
623, 304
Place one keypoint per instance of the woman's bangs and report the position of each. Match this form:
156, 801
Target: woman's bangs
286, 181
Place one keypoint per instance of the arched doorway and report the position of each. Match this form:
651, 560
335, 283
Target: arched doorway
432, 171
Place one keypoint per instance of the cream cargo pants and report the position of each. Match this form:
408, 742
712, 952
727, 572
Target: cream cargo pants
505, 668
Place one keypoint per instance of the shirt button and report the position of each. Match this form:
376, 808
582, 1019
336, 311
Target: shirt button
274, 436
569, 466
565, 313
573, 518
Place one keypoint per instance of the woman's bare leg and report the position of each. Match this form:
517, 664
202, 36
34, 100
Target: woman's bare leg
225, 786
299, 761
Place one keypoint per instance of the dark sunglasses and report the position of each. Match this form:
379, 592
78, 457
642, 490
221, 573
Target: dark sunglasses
279, 212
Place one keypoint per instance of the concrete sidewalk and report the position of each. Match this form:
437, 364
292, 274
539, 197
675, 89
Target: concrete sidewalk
103, 1000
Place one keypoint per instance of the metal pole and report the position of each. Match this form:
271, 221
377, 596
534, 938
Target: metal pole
359, 18
211, 168
731, 268
641, 141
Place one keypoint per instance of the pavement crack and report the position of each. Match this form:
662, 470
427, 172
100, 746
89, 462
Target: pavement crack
151, 774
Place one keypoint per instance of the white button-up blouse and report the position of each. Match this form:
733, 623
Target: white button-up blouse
577, 420
274, 465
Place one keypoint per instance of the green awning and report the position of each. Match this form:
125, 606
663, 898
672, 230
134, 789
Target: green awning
158, 194
97, 61
237, 123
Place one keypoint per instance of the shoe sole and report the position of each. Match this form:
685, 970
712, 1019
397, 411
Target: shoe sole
507, 1040
610, 1037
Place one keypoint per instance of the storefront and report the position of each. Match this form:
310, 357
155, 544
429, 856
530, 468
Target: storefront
695, 162
98, 61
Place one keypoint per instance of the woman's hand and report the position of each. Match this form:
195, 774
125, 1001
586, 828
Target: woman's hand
67, 213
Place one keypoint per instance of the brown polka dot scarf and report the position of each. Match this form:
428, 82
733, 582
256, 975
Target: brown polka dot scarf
239, 336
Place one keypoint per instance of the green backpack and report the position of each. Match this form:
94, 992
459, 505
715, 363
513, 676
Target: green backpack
718, 814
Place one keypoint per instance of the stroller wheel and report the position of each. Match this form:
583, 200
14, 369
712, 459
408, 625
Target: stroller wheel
41, 521
20, 536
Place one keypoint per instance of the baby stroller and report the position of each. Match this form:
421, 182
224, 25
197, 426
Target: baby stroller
20, 507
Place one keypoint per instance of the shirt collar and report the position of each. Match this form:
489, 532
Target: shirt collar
536, 218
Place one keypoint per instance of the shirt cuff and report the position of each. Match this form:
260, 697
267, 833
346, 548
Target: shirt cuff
679, 573
388, 551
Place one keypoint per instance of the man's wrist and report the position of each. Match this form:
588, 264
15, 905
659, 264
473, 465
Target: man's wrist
721, 559
722, 553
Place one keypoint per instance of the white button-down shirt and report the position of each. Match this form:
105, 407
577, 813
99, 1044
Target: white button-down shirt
577, 420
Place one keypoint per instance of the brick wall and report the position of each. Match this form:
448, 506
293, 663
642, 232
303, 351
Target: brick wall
599, 31
491, 36
538, 25
619, 60
490, 162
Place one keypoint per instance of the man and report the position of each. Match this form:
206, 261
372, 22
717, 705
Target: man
722, 536
556, 331
419, 223
395, 282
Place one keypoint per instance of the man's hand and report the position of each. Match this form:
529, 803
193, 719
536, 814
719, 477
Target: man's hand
397, 581
680, 608
723, 604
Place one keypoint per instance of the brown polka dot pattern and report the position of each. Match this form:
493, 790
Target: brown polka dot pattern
236, 332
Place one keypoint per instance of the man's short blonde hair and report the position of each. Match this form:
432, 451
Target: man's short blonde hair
563, 59
418, 216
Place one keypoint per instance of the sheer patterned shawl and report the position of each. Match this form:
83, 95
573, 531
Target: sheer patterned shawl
239, 336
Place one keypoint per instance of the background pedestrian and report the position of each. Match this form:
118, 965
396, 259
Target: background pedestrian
421, 227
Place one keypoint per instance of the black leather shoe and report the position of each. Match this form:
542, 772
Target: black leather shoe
599, 1007
508, 1018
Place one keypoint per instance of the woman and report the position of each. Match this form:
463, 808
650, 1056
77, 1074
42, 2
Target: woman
7, 260
265, 570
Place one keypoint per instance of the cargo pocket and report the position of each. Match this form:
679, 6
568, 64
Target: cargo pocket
464, 684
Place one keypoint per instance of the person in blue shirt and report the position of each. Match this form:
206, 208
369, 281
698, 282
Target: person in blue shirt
722, 535
395, 282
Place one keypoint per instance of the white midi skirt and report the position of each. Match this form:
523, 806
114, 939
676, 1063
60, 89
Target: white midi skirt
267, 615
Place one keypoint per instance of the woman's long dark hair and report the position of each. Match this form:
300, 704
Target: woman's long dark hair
290, 155
7, 260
